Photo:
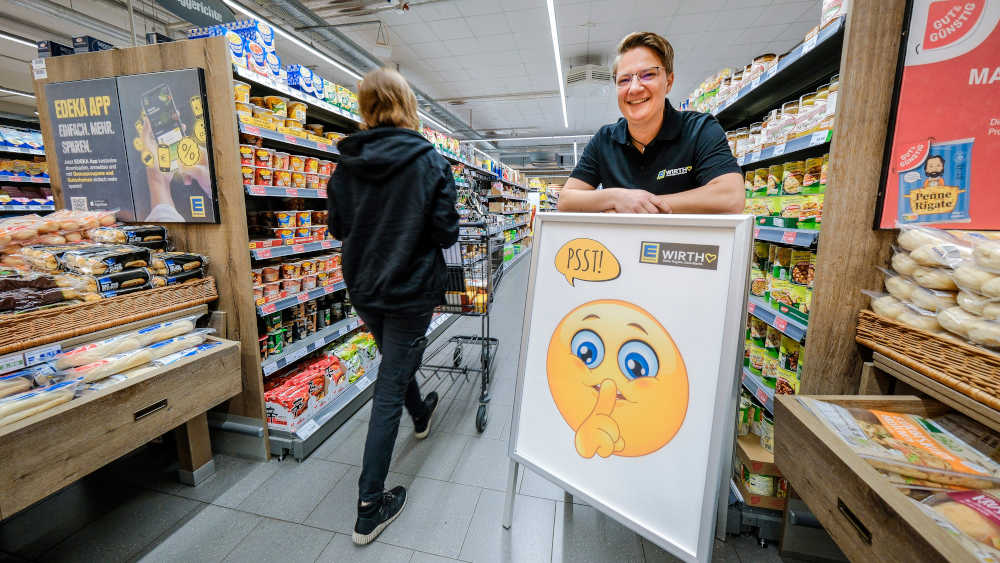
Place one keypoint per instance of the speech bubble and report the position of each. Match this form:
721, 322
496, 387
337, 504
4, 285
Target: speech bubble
588, 260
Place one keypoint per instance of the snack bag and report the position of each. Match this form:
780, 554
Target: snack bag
23, 405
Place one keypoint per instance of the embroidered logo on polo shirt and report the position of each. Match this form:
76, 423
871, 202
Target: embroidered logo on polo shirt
673, 172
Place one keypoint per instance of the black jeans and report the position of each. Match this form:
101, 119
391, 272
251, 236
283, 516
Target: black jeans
402, 340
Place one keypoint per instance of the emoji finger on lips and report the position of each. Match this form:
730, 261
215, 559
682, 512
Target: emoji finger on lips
617, 378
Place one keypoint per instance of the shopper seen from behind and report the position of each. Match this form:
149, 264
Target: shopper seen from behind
392, 204
655, 159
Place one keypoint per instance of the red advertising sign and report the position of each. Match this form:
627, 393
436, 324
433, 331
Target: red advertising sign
943, 149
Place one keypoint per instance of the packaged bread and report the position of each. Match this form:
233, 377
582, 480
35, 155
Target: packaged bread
956, 320
165, 330
164, 263
934, 278
991, 311
912, 237
902, 263
932, 300
941, 254
46, 257
970, 517
919, 318
26, 299
885, 305
153, 245
23, 405
898, 286
969, 276
99, 350
29, 280
126, 234
14, 383
178, 343
186, 353
126, 279
991, 288
105, 259
909, 445
110, 365
972, 302
160, 281
985, 333
986, 253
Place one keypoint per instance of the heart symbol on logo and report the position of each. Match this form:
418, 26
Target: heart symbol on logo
710, 258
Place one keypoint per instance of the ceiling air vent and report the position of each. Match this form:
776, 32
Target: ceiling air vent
588, 80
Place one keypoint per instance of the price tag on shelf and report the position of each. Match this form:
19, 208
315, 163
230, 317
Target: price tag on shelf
257, 190
330, 288
778, 150
321, 193
754, 157
780, 324
251, 130
264, 253
326, 244
298, 248
302, 297
11, 362
268, 309
788, 237
291, 139
307, 429
809, 44
772, 71
761, 396
818, 138
754, 83
751, 307
756, 232
292, 192
323, 146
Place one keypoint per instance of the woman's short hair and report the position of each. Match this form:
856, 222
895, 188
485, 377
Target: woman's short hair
386, 100
652, 41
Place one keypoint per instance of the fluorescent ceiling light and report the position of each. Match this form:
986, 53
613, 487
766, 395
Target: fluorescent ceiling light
17, 92
575, 158
552, 137
426, 117
17, 39
555, 49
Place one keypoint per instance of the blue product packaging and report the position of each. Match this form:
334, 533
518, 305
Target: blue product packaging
237, 49
255, 58
318, 85
937, 189
273, 63
300, 78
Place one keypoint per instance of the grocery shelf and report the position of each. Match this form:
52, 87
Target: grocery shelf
760, 390
511, 212
328, 110
11, 208
789, 150
325, 422
507, 197
293, 300
309, 344
462, 184
287, 139
516, 185
468, 164
787, 325
805, 238
26, 179
276, 191
22, 150
805, 66
291, 249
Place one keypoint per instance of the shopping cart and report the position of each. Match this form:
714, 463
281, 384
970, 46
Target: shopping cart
472, 277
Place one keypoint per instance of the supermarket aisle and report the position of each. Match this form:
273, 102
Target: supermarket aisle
290, 511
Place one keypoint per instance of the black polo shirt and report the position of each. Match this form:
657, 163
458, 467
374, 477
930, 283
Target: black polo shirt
688, 152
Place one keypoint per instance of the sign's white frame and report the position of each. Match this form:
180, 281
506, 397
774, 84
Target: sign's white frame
722, 431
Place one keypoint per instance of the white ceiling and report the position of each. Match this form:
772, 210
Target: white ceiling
495, 55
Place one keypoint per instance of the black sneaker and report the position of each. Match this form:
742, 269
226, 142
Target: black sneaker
372, 519
422, 428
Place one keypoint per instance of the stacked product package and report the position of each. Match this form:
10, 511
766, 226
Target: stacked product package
945, 283
98, 365
295, 397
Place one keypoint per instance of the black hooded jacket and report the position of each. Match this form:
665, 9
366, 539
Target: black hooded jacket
392, 204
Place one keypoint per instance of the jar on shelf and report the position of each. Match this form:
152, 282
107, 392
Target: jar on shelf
789, 112
833, 88
770, 128
756, 134
742, 138
802, 119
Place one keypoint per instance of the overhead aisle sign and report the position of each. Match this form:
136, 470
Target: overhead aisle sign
626, 387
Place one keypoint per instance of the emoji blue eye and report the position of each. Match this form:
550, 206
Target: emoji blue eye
636, 359
587, 346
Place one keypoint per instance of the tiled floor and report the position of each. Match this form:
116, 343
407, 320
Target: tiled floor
286, 511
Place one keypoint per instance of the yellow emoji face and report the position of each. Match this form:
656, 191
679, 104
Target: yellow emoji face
617, 378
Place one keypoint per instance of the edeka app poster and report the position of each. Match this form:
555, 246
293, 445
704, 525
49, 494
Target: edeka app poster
169, 146
945, 147
89, 146
621, 381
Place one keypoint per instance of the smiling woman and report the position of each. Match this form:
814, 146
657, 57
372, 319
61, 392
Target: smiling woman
655, 159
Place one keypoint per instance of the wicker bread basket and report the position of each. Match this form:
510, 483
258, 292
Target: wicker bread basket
968, 369
35, 328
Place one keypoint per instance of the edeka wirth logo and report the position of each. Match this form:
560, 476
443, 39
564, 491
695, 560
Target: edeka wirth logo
673, 172
197, 206
701, 256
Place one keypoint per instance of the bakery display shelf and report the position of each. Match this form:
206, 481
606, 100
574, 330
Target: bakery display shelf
297, 350
293, 300
286, 139
760, 390
292, 249
313, 432
468, 164
805, 238
22, 150
276, 191
795, 149
785, 324
328, 110
805, 65
13, 208
22, 331
25, 179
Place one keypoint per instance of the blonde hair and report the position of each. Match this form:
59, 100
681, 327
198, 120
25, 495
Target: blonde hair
386, 100
652, 41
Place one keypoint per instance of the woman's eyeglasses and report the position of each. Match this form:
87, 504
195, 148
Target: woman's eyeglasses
645, 76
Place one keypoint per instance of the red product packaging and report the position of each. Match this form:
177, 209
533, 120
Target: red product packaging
315, 382
287, 406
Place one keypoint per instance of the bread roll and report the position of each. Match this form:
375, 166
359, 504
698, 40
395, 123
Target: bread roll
13, 385
14, 407
991, 311
177, 344
902, 263
899, 287
96, 351
914, 238
888, 306
987, 254
971, 302
956, 320
934, 278
36, 407
991, 288
163, 331
970, 276
932, 300
110, 366
940, 254
916, 320
985, 333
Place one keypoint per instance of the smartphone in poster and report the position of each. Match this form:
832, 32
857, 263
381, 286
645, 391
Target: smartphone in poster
89, 148
627, 373
169, 146
943, 148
